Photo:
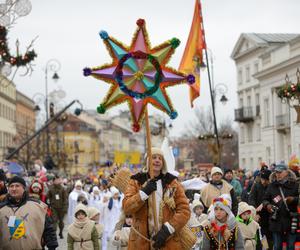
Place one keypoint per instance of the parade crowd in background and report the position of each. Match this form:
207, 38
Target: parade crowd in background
221, 207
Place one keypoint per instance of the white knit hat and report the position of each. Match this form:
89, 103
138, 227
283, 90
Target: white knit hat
95, 188
215, 170
156, 151
196, 203
114, 190
224, 202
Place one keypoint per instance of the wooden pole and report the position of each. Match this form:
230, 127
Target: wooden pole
149, 162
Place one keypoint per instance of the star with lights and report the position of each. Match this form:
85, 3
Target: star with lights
139, 75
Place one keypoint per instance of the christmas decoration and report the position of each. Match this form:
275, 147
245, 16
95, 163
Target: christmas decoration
18, 60
139, 75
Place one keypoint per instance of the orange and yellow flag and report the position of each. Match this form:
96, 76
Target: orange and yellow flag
193, 53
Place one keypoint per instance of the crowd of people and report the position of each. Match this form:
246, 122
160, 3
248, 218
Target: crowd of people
221, 209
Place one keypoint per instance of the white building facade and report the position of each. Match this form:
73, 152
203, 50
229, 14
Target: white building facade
267, 128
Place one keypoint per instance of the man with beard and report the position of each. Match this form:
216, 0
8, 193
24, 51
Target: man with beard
216, 187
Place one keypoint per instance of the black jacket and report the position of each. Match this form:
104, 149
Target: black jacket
273, 197
49, 235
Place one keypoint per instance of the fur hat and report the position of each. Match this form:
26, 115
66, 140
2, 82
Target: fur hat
92, 211
156, 151
81, 207
243, 207
17, 179
215, 170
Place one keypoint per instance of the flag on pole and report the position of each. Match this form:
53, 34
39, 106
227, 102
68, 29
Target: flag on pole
193, 53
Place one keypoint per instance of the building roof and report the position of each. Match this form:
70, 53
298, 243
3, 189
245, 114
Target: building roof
262, 40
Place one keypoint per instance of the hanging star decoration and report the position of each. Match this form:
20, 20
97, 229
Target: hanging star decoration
139, 75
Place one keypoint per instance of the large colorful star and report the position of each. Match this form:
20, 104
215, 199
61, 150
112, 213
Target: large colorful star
139, 75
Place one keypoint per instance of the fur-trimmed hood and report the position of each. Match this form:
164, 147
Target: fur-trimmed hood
291, 177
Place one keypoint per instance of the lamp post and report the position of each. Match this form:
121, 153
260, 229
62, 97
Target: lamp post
53, 65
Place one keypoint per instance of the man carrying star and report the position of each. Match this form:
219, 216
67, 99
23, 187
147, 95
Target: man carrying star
172, 207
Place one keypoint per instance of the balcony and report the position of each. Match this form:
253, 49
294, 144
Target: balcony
244, 114
283, 123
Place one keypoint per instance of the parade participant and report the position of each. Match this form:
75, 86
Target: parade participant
281, 199
121, 235
95, 198
73, 197
248, 226
58, 200
3, 189
256, 199
217, 187
196, 221
228, 176
222, 232
112, 211
24, 222
171, 205
94, 215
82, 233
36, 191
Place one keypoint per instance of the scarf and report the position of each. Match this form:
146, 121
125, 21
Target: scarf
81, 229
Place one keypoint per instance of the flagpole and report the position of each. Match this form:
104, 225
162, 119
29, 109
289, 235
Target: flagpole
212, 97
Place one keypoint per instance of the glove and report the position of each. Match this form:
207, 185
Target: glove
161, 237
150, 187
269, 208
289, 199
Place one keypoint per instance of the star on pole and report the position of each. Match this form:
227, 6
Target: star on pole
138, 75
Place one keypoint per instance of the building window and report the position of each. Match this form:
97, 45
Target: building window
243, 163
250, 133
266, 112
258, 132
247, 74
249, 101
251, 163
289, 150
242, 139
259, 161
240, 77
241, 104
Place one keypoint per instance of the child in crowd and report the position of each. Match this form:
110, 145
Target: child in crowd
82, 233
197, 220
248, 226
94, 215
122, 230
36, 191
222, 232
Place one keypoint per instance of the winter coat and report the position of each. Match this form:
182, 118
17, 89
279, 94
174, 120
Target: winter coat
29, 225
255, 199
58, 197
211, 191
175, 211
273, 197
237, 187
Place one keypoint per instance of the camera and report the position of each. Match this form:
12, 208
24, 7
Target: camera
294, 222
275, 213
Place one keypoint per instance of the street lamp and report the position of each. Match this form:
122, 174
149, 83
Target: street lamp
53, 65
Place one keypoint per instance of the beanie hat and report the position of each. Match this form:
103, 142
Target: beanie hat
95, 188
223, 202
227, 171
215, 170
114, 190
36, 184
243, 207
92, 211
17, 179
265, 174
81, 207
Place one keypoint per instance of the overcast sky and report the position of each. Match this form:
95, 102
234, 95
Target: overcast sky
68, 31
